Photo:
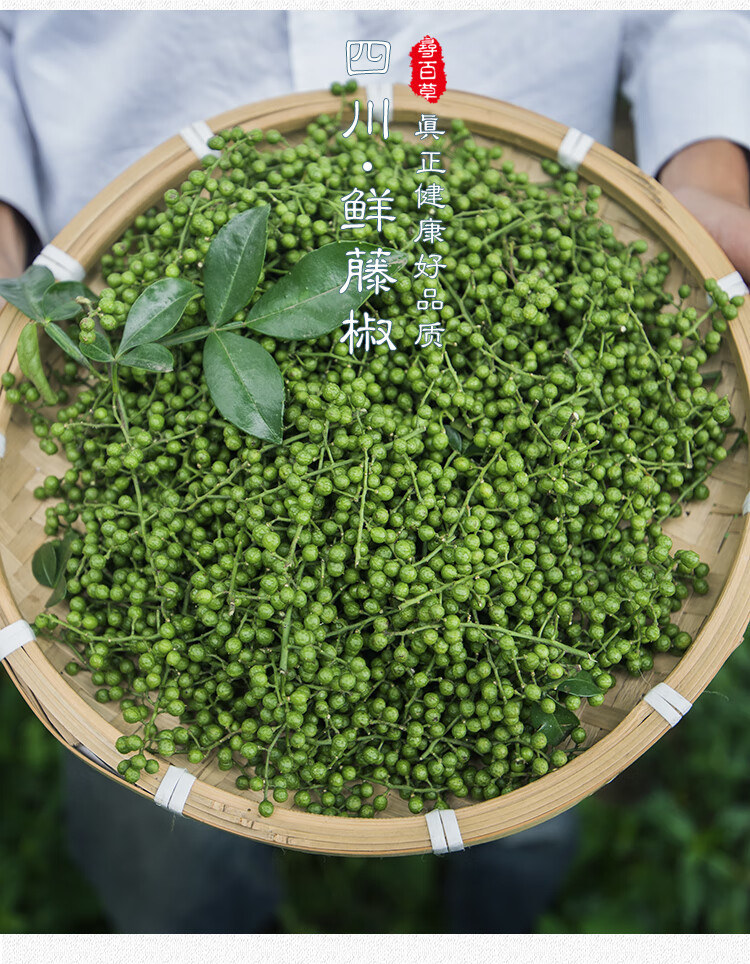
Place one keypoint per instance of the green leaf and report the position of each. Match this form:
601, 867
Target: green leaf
582, 684
63, 311
156, 311
547, 724
192, 334
555, 726
59, 302
245, 384
458, 441
233, 264
566, 718
455, 439
308, 302
100, 349
153, 357
58, 593
27, 291
44, 564
30, 361
62, 339
63, 552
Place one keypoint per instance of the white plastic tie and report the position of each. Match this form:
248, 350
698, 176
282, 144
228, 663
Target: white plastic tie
452, 831
2, 446
668, 703
62, 265
15, 636
437, 834
573, 148
445, 835
197, 136
746, 504
733, 284
174, 789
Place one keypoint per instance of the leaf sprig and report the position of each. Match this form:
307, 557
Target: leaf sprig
45, 302
244, 381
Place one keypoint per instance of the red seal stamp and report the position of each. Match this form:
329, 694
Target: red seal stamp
428, 69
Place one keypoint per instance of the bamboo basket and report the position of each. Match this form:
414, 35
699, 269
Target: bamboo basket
619, 731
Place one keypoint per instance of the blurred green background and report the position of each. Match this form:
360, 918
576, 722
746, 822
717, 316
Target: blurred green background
664, 849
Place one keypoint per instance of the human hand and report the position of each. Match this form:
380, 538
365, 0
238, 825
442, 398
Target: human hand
12, 244
712, 180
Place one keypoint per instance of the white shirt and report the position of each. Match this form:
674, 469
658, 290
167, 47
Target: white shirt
83, 94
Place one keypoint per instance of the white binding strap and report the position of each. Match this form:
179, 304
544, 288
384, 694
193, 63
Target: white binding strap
445, 835
452, 832
733, 284
62, 265
2, 446
15, 636
437, 836
174, 789
573, 148
197, 136
746, 504
668, 703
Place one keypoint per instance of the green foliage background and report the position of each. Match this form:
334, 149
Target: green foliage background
665, 848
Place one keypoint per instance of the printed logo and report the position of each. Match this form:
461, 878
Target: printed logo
428, 69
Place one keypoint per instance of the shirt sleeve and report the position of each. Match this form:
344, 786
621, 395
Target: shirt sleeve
18, 181
687, 77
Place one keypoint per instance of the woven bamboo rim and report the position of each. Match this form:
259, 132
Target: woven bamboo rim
619, 731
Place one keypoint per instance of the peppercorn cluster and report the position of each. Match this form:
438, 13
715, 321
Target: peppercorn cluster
396, 599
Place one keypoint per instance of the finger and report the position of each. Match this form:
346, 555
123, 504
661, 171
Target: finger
734, 237
728, 224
